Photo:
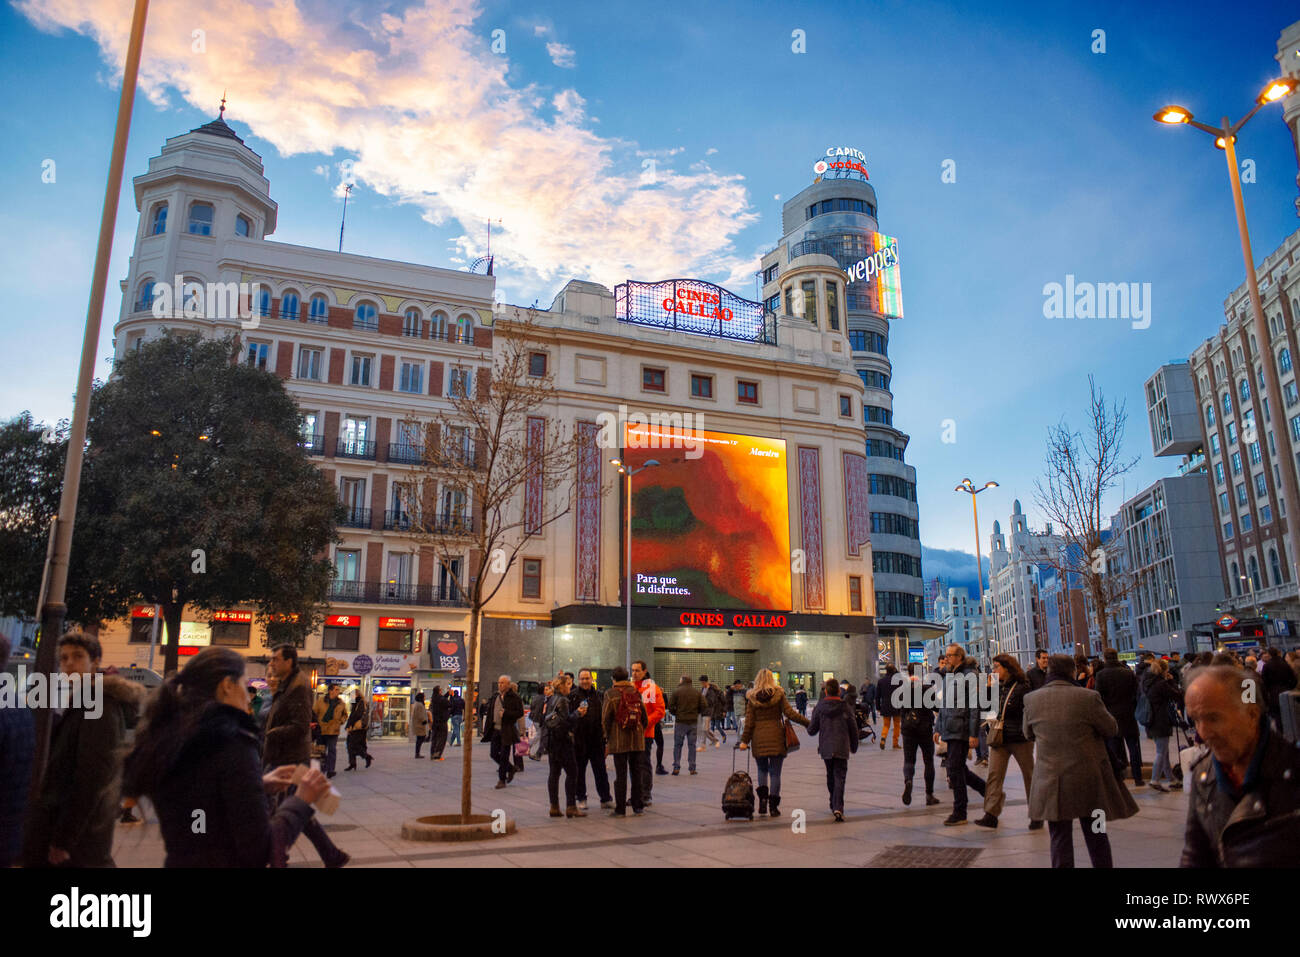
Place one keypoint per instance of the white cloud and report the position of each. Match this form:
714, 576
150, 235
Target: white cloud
710, 151
321, 170
431, 119
560, 54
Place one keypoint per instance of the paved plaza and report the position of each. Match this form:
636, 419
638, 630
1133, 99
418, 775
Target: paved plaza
684, 827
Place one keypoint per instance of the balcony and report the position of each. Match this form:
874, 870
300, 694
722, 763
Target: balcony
312, 444
453, 335
405, 454
445, 523
355, 518
366, 325
395, 593
354, 449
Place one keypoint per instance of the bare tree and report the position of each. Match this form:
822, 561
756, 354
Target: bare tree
1078, 472
506, 469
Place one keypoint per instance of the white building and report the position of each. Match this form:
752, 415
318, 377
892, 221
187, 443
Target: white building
1014, 581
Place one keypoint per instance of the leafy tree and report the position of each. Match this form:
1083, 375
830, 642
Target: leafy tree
31, 475
195, 491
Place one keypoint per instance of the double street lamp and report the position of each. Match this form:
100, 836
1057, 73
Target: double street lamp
624, 470
968, 487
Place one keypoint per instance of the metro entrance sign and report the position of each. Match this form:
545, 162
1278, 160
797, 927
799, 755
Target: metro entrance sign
1227, 622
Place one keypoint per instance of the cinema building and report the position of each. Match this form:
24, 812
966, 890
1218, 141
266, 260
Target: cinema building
752, 553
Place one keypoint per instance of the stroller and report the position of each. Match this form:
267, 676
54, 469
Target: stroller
866, 730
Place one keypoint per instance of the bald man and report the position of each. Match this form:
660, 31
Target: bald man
1244, 805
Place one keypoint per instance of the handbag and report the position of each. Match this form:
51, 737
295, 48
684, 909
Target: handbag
996, 727
791, 739
522, 748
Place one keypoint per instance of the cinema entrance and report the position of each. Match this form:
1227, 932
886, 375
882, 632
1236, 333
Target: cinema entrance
723, 665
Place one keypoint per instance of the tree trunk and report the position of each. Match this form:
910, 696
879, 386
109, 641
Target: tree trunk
172, 617
471, 713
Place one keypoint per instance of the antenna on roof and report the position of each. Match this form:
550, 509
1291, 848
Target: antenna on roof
347, 191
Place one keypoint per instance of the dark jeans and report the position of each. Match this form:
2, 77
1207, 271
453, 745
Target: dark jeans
686, 731
837, 770
1116, 746
1062, 835
562, 759
628, 765
419, 743
960, 777
502, 755
770, 769
331, 742
912, 742
659, 744
439, 741
648, 771
594, 756
455, 730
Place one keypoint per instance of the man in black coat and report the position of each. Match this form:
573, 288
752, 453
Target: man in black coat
589, 740
1118, 687
501, 728
439, 714
1037, 674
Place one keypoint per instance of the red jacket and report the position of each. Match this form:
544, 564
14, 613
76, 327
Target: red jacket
653, 698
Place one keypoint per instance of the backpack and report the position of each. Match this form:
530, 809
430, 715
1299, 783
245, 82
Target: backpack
1143, 711
628, 714
554, 719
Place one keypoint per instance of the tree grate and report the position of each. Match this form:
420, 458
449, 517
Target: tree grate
924, 855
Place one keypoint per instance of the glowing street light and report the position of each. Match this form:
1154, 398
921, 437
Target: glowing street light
624, 470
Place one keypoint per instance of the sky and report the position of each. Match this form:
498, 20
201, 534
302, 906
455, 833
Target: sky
616, 141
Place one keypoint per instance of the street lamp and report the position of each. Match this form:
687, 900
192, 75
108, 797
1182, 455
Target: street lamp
624, 470
1225, 138
1251, 583
968, 487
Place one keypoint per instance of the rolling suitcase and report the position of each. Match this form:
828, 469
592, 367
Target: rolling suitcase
738, 795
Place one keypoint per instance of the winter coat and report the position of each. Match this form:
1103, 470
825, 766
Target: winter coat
419, 720
1118, 687
1037, 677
288, 723
337, 717
1276, 677
1011, 708
960, 723
1161, 693
736, 702
17, 745
655, 710
219, 773
685, 704
1073, 776
869, 694
513, 711
356, 729
916, 721
1261, 828
801, 699
456, 704
884, 696
558, 733
763, 724
77, 807
535, 708
622, 740
835, 727
588, 735
439, 710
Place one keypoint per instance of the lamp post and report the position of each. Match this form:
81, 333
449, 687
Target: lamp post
968, 487
1254, 600
624, 470
1225, 138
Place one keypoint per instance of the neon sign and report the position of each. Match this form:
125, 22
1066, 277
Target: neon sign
841, 162
716, 619
692, 305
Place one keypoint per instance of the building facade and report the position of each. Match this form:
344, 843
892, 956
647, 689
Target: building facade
963, 624
1015, 580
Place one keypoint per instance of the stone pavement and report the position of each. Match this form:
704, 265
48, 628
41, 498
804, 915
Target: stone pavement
684, 827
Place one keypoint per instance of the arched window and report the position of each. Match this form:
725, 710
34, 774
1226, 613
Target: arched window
1236, 578
200, 219
243, 227
367, 317
1245, 391
159, 220
320, 309
1209, 416
264, 302
464, 329
145, 299
1227, 405
1275, 566
1284, 360
1254, 573
438, 326
411, 323
289, 306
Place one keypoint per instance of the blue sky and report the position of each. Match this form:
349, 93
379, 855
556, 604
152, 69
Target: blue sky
1059, 170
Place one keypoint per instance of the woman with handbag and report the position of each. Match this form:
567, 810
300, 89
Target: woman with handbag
357, 734
1007, 739
768, 715
1164, 698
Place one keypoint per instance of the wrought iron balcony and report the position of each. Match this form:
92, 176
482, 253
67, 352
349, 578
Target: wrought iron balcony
356, 518
397, 593
405, 453
313, 444
354, 449
443, 523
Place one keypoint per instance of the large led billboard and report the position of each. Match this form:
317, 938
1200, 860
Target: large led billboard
710, 524
691, 305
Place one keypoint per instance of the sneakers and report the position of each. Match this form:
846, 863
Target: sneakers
693, 771
931, 800
988, 820
907, 793
952, 820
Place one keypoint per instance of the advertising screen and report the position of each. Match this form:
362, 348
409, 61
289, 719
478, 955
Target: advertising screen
710, 529
887, 289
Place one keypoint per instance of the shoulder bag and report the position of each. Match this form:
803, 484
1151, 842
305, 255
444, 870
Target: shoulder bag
996, 727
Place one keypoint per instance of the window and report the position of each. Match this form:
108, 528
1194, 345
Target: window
747, 392
532, 577
460, 382
335, 638
652, 380
887, 523
438, 326
537, 363
1227, 404
880, 484
264, 302
1255, 457
833, 306
464, 329
1236, 463
1209, 416
159, 220
361, 370
347, 565
411, 323
367, 317
857, 340
1254, 573
289, 306
307, 425
874, 380
355, 433
242, 226
412, 376
1265, 514
320, 309
1214, 442
1218, 472
1289, 393
144, 301
702, 386
1236, 572
1227, 530
855, 593
773, 305
1295, 427
1232, 432
770, 273
874, 413
1261, 486
1245, 391
809, 288
1241, 493
309, 363
257, 354
846, 406
1275, 566
1224, 505
200, 219
1284, 360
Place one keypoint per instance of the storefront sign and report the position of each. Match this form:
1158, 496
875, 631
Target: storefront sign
242, 617
694, 302
717, 619
402, 624
142, 611
195, 634
361, 664
343, 621
447, 653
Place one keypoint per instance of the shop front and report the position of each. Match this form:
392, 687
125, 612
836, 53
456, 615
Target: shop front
383, 679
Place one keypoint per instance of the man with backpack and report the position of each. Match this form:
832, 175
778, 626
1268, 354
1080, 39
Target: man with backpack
653, 698
624, 720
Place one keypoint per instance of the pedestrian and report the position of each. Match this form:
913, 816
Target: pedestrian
521, 733
1037, 675
716, 704
801, 701
439, 714
655, 710
501, 728
589, 739
1073, 779
869, 699
684, 706
885, 703
982, 748
288, 741
1008, 739
959, 721
357, 734
1081, 672
704, 730
1164, 698
331, 711
559, 720
1118, 687
197, 752
419, 722
918, 726
837, 737
71, 819
1293, 659
17, 747
456, 704
623, 720
659, 738
1243, 806
738, 705
765, 725
1277, 679
536, 725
